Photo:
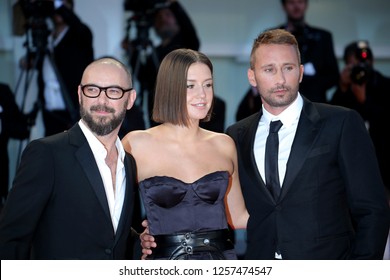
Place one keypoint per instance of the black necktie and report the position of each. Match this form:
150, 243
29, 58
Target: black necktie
271, 159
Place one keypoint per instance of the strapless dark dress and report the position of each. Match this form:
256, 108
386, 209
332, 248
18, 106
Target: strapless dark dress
175, 207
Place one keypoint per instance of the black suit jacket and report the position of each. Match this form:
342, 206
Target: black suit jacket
332, 203
57, 207
374, 110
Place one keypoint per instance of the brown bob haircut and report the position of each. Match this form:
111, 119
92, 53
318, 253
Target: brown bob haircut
170, 100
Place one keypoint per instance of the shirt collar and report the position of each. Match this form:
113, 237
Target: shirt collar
288, 116
97, 146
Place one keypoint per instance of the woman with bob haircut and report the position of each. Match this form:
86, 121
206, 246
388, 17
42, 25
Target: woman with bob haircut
188, 176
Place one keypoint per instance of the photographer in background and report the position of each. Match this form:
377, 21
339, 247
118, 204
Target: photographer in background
60, 65
364, 89
317, 51
175, 30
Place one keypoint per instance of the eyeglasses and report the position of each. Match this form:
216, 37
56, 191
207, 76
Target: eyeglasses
112, 92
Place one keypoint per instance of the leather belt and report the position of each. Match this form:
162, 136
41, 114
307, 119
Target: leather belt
178, 246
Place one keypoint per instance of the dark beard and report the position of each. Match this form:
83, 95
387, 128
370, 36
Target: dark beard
102, 127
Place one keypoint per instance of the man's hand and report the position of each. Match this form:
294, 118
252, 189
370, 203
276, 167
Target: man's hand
147, 241
359, 91
345, 78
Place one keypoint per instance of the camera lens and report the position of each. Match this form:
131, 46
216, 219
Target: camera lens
360, 73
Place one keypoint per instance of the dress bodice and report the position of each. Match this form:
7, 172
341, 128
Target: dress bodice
174, 206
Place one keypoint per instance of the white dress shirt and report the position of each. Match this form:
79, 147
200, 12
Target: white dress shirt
115, 199
52, 90
289, 118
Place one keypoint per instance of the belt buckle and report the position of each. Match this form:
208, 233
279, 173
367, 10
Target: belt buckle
187, 248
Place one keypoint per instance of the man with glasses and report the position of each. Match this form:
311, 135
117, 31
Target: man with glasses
73, 195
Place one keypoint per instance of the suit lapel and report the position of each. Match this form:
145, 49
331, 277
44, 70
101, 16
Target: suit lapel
307, 131
85, 156
127, 209
246, 136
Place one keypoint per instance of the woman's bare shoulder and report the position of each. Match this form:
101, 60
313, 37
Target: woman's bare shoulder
219, 137
135, 135
136, 139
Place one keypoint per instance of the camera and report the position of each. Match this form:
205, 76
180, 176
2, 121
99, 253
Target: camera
36, 13
143, 17
361, 72
145, 6
37, 9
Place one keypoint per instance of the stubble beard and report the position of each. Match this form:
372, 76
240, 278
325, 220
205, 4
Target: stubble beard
285, 100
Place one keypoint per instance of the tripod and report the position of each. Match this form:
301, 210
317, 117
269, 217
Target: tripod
34, 60
142, 53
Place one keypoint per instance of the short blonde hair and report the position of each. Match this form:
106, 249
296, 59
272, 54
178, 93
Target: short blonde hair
274, 36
